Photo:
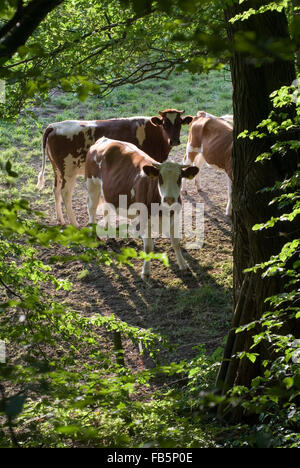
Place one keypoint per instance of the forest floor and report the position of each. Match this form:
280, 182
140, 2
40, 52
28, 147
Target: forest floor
190, 309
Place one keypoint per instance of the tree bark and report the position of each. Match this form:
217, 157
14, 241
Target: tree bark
253, 82
296, 29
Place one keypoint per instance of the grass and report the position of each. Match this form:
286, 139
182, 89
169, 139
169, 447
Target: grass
193, 93
21, 143
189, 92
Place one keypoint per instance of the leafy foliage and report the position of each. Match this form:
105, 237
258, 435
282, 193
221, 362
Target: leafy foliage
274, 395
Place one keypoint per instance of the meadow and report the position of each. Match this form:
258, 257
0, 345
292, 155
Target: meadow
192, 311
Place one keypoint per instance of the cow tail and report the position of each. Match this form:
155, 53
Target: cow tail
41, 177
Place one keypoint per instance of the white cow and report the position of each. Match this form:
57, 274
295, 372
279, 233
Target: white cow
210, 140
114, 168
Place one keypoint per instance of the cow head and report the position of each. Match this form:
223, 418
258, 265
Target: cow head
171, 122
169, 176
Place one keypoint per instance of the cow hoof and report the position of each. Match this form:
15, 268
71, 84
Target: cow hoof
186, 274
145, 276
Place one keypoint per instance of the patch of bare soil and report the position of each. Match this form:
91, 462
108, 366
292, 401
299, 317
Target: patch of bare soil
190, 309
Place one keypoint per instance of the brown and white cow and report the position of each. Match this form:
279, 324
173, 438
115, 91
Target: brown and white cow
67, 143
115, 168
210, 140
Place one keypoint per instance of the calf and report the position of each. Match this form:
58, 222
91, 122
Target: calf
67, 143
115, 168
210, 140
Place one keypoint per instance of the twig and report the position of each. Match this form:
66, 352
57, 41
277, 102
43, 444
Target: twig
10, 290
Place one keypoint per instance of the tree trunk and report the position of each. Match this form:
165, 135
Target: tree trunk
296, 29
253, 82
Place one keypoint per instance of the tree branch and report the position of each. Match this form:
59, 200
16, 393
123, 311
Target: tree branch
148, 70
68, 45
26, 19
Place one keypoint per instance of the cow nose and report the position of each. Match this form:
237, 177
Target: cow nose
169, 200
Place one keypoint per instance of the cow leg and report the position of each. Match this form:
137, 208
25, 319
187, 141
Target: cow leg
199, 161
189, 158
94, 195
58, 199
229, 195
184, 181
179, 257
148, 247
67, 192
175, 241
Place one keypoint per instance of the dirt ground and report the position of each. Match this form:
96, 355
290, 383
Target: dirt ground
190, 309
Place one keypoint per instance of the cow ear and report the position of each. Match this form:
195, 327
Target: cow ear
187, 119
190, 172
156, 121
151, 171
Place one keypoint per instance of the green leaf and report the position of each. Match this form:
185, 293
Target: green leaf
23, 51
288, 382
7, 7
82, 92
72, 429
31, 88
83, 274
